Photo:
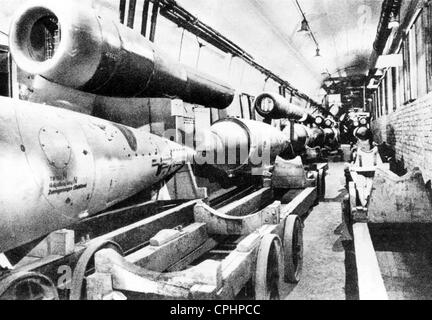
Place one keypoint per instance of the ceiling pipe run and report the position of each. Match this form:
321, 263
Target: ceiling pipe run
171, 10
390, 8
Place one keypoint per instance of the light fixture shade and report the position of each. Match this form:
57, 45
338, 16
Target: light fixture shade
372, 85
394, 21
304, 26
328, 82
322, 92
318, 52
379, 73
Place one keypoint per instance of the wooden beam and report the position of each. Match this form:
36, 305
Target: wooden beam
248, 204
128, 238
397, 199
237, 269
183, 263
322, 166
159, 258
228, 224
98, 286
370, 282
129, 277
301, 204
125, 280
145, 229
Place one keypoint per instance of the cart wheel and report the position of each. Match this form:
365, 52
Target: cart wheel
27, 286
85, 264
293, 248
269, 269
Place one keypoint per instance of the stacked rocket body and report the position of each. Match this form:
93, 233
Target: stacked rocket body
237, 146
309, 131
58, 166
84, 61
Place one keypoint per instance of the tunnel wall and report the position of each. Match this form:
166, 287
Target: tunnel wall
408, 130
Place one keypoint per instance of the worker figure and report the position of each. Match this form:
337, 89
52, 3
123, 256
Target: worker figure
364, 154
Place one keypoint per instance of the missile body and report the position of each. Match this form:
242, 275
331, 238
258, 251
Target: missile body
311, 133
238, 145
275, 106
363, 133
304, 136
360, 128
356, 126
331, 134
299, 135
71, 45
58, 166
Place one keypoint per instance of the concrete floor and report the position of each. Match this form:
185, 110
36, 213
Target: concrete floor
323, 276
329, 271
405, 260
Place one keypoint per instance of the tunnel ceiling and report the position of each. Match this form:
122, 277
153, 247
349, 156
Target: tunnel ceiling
345, 31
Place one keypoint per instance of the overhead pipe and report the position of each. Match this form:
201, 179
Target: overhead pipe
388, 8
171, 10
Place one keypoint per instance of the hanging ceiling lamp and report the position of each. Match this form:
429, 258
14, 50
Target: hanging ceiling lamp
304, 26
394, 21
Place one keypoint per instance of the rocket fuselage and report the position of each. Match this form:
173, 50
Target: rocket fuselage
313, 132
237, 145
274, 106
58, 166
72, 45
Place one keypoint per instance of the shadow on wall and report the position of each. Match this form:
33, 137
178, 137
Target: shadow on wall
377, 135
391, 135
388, 155
387, 147
397, 164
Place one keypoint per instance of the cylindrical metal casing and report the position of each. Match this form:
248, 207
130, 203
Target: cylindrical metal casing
316, 137
69, 44
275, 106
58, 166
331, 136
299, 136
362, 133
234, 145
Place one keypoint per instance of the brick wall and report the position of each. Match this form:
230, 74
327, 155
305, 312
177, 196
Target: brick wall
409, 131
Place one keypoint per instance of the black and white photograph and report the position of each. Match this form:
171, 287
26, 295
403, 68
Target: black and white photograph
228, 151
